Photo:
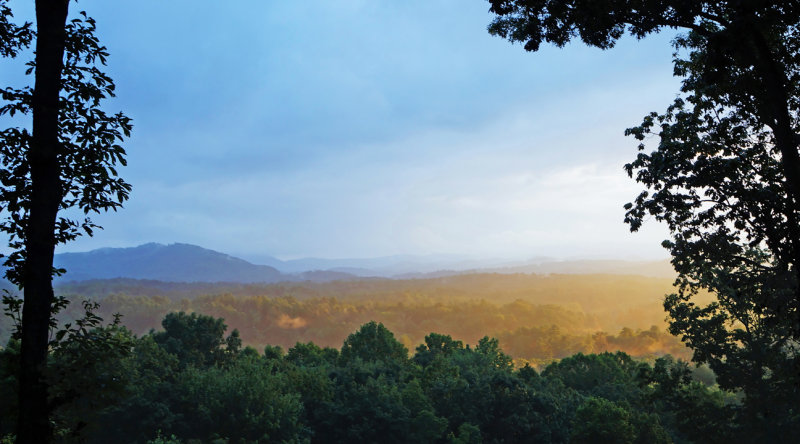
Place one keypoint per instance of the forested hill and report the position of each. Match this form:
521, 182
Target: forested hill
175, 263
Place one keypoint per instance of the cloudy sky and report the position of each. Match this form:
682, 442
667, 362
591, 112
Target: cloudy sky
359, 128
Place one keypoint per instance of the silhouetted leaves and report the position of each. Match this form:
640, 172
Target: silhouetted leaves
724, 177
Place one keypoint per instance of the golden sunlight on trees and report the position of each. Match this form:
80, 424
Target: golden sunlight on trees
536, 318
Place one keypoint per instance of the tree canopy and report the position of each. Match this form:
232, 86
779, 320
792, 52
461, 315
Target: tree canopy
724, 176
154, 390
65, 157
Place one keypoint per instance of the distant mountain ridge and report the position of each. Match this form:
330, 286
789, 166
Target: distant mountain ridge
181, 262
178, 263
427, 266
169, 263
190, 263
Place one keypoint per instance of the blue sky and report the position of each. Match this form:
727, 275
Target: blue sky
346, 128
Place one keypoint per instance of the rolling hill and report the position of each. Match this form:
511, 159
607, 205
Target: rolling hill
169, 263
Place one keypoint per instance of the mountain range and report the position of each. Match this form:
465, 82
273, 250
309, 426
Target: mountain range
175, 263
190, 263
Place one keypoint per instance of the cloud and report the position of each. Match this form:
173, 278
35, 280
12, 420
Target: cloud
363, 128
478, 192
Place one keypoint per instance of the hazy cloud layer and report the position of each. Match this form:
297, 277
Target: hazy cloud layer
362, 128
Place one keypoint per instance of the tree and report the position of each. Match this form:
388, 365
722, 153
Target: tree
724, 177
374, 342
243, 402
717, 182
66, 159
436, 345
600, 420
87, 372
197, 340
607, 375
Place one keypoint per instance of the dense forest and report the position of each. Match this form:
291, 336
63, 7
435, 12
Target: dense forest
513, 358
190, 382
536, 318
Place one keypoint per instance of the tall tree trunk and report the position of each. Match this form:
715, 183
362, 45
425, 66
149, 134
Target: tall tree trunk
34, 424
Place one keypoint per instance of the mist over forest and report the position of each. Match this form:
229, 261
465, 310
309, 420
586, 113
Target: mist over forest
537, 318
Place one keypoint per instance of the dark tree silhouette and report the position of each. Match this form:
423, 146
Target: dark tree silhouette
725, 177
746, 50
67, 159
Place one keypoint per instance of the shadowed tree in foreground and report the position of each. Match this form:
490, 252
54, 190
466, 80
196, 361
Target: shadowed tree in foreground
118, 388
724, 177
64, 159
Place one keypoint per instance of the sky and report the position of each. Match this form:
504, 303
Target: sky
364, 128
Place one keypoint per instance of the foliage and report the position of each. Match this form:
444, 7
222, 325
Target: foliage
371, 342
724, 177
55, 166
159, 439
369, 392
530, 324
244, 402
88, 370
89, 150
612, 376
600, 420
13, 37
9, 365
197, 339
718, 184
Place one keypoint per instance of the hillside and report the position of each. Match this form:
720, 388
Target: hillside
169, 263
